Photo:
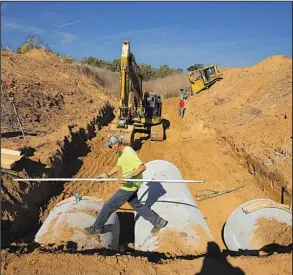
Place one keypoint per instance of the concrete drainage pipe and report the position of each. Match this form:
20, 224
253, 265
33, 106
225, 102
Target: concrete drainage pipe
66, 222
186, 231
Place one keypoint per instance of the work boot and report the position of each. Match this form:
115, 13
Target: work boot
93, 230
162, 223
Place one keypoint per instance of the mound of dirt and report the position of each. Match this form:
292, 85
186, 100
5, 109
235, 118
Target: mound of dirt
271, 231
251, 108
49, 96
174, 243
42, 55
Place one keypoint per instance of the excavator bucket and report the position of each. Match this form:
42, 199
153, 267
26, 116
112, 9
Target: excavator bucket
127, 134
157, 133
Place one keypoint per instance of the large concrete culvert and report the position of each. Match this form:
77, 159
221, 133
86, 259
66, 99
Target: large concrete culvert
186, 231
260, 224
67, 220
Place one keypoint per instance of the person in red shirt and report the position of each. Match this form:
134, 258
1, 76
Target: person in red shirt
181, 108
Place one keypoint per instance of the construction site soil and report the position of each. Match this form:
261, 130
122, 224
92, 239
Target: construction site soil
239, 131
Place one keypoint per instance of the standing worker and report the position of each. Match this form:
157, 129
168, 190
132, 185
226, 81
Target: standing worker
132, 167
183, 94
181, 107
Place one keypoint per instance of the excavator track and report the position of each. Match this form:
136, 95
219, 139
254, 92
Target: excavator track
127, 134
157, 133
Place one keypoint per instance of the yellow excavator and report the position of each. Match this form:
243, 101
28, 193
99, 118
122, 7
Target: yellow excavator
138, 111
203, 78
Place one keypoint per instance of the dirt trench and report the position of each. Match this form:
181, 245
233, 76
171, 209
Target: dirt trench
199, 153
272, 183
23, 203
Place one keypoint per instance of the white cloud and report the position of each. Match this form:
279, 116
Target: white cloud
22, 28
67, 37
70, 23
64, 37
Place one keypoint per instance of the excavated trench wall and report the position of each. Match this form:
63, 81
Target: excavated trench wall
273, 183
21, 208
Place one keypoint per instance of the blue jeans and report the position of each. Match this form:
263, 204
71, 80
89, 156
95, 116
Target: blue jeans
181, 112
117, 200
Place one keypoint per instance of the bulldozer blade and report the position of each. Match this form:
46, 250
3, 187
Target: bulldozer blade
126, 134
157, 133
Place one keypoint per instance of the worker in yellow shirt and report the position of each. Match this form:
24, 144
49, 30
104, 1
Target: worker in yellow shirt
132, 167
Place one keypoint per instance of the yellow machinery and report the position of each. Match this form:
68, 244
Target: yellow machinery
202, 78
137, 111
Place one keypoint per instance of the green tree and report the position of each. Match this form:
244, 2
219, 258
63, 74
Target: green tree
25, 48
116, 65
194, 67
163, 71
67, 59
35, 42
147, 71
92, 61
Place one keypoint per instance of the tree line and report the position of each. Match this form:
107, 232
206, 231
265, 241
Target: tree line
147, 71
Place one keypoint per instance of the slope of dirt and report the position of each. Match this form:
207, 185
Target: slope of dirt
49, 95
251, 109
59, 109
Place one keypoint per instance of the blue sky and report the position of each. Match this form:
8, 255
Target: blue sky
178, 34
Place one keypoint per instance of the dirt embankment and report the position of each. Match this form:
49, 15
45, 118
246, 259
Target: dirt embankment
50, 97
251, 109
60, 110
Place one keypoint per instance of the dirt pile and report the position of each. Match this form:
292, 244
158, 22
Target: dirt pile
251, 109
271, 231
174, 243
49, 95
42, 55
62, 234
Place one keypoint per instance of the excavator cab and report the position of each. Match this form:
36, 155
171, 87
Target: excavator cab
152, 106
137, 111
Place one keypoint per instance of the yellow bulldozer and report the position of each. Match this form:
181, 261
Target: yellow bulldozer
203, 78
137, 111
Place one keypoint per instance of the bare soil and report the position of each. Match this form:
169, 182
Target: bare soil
271, 231
238, 131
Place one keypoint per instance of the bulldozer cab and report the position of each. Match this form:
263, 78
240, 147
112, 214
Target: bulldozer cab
202, 78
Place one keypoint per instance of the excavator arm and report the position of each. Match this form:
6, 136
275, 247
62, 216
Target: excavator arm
131, 96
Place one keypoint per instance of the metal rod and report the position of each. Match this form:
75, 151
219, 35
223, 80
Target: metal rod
18, 120
109, 179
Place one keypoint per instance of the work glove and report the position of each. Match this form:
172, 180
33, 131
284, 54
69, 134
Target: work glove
103, 176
